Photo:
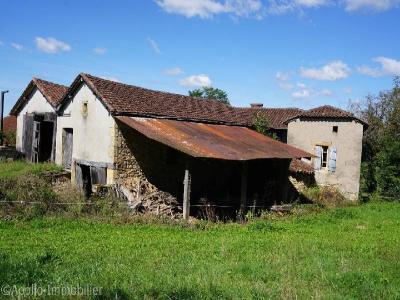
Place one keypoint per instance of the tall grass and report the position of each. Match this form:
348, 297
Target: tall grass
341, 253
17, 168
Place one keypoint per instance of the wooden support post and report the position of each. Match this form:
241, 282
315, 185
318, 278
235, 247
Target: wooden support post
243, 188
186, 194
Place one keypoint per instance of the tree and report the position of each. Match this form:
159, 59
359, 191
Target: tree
261, 124
380, 171
210, 93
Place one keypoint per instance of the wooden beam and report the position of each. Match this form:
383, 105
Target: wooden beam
186, 194
243, 188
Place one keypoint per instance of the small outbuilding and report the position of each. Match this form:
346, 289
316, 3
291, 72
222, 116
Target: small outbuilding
175, 149
36, 117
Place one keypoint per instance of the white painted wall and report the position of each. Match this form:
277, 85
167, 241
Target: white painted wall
348, 142
37, 103
93, 134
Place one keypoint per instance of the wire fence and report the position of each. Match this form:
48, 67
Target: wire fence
94, 203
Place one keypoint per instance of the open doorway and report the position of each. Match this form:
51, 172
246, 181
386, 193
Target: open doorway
87, 176
38, 138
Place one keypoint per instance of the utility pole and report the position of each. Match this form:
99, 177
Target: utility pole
1, 117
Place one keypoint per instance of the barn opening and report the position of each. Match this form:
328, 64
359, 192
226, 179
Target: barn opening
227, 168
88, 175
39, 136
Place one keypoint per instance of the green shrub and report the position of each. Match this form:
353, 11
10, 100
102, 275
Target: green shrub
326, 196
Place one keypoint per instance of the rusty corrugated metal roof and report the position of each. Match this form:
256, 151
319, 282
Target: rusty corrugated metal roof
213, 141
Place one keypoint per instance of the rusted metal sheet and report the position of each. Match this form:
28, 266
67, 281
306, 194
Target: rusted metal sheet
213, 141
298, 166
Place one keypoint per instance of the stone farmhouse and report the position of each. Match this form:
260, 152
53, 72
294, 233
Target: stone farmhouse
186, 151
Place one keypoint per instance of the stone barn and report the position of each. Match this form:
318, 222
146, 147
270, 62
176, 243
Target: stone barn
36, 117
166, 151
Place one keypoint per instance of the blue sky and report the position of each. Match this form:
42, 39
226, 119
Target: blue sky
281, 53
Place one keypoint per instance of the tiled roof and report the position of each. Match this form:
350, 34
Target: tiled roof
129, 100
10, 123
52, 92
326, 111
299, 166
275, 116
123, 99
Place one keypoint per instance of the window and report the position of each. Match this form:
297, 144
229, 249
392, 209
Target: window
84, 108
335, 129
324, 157
321, 159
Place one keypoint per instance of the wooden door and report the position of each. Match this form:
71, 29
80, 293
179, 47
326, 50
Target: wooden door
27, 136
67, 147
36, 141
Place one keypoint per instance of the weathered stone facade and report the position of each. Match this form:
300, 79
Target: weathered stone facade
129, 176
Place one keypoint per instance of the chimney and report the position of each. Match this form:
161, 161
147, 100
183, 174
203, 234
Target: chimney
256, 105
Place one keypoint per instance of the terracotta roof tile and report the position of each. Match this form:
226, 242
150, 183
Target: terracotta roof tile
10, 123
123, 99
326, 111
52, 92
299, 166
276, 116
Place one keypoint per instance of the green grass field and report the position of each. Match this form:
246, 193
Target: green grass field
18, 168
348, 253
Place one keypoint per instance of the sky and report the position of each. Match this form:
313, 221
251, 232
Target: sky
282, 53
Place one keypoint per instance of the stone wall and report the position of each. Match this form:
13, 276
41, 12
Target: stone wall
9, 153
347, 139
129, 149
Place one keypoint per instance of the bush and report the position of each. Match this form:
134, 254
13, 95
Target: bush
325, 195
31, 196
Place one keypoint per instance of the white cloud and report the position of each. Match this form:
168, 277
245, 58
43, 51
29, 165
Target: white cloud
348, 90
311, 3
375, 5
301, 85
16, 46
283, 80
100, 51
201, 80
284, 6
388, 66
304, 93
110, 78
256, 8
326, 92
280, 76
153, 44
51, 45
173, 71
286, 85
333, 71
373, 72
209, 8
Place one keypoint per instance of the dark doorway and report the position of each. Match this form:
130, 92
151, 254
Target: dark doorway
67, 144
38, 138
46, 140
86, 180
86, 176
